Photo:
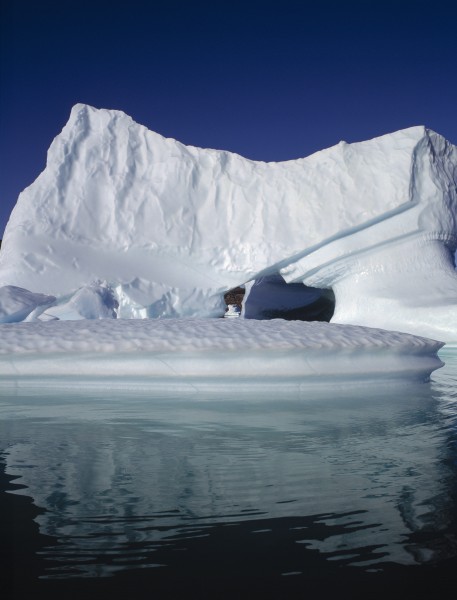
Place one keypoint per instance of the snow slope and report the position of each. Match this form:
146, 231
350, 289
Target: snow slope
171, 227
201, 353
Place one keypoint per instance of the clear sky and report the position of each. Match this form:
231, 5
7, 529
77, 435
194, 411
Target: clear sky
271, 80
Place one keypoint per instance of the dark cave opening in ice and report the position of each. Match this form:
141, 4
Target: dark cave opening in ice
270, 297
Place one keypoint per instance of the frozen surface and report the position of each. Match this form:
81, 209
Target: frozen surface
171, 227
209, 352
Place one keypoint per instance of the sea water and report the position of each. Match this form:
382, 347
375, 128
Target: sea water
230, 494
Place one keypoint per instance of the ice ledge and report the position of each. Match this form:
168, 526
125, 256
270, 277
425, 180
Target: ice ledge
209, 352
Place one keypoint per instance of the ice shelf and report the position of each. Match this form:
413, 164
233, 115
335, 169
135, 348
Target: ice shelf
202, 353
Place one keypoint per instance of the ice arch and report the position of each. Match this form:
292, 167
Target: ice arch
270, 297
171, 227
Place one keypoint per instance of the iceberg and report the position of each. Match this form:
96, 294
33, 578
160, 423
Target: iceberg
171, 227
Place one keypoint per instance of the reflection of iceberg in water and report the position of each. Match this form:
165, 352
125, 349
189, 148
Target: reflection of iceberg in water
124, 481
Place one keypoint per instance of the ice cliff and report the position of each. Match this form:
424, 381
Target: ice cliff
171, 227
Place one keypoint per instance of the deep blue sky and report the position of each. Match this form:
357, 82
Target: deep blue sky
271, 80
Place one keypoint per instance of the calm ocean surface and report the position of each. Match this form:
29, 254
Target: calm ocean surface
126, 495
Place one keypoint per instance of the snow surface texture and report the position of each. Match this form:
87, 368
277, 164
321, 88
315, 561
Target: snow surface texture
171, 227
208, 352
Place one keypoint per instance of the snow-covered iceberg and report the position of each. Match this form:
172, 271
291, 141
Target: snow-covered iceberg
171, 227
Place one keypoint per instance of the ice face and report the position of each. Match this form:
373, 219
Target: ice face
95, 301
409, 286
171, 227
16, 303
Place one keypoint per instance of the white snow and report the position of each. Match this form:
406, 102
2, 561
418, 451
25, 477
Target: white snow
208, 352
171, 227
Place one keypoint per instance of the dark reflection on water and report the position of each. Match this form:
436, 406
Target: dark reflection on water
278, 492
